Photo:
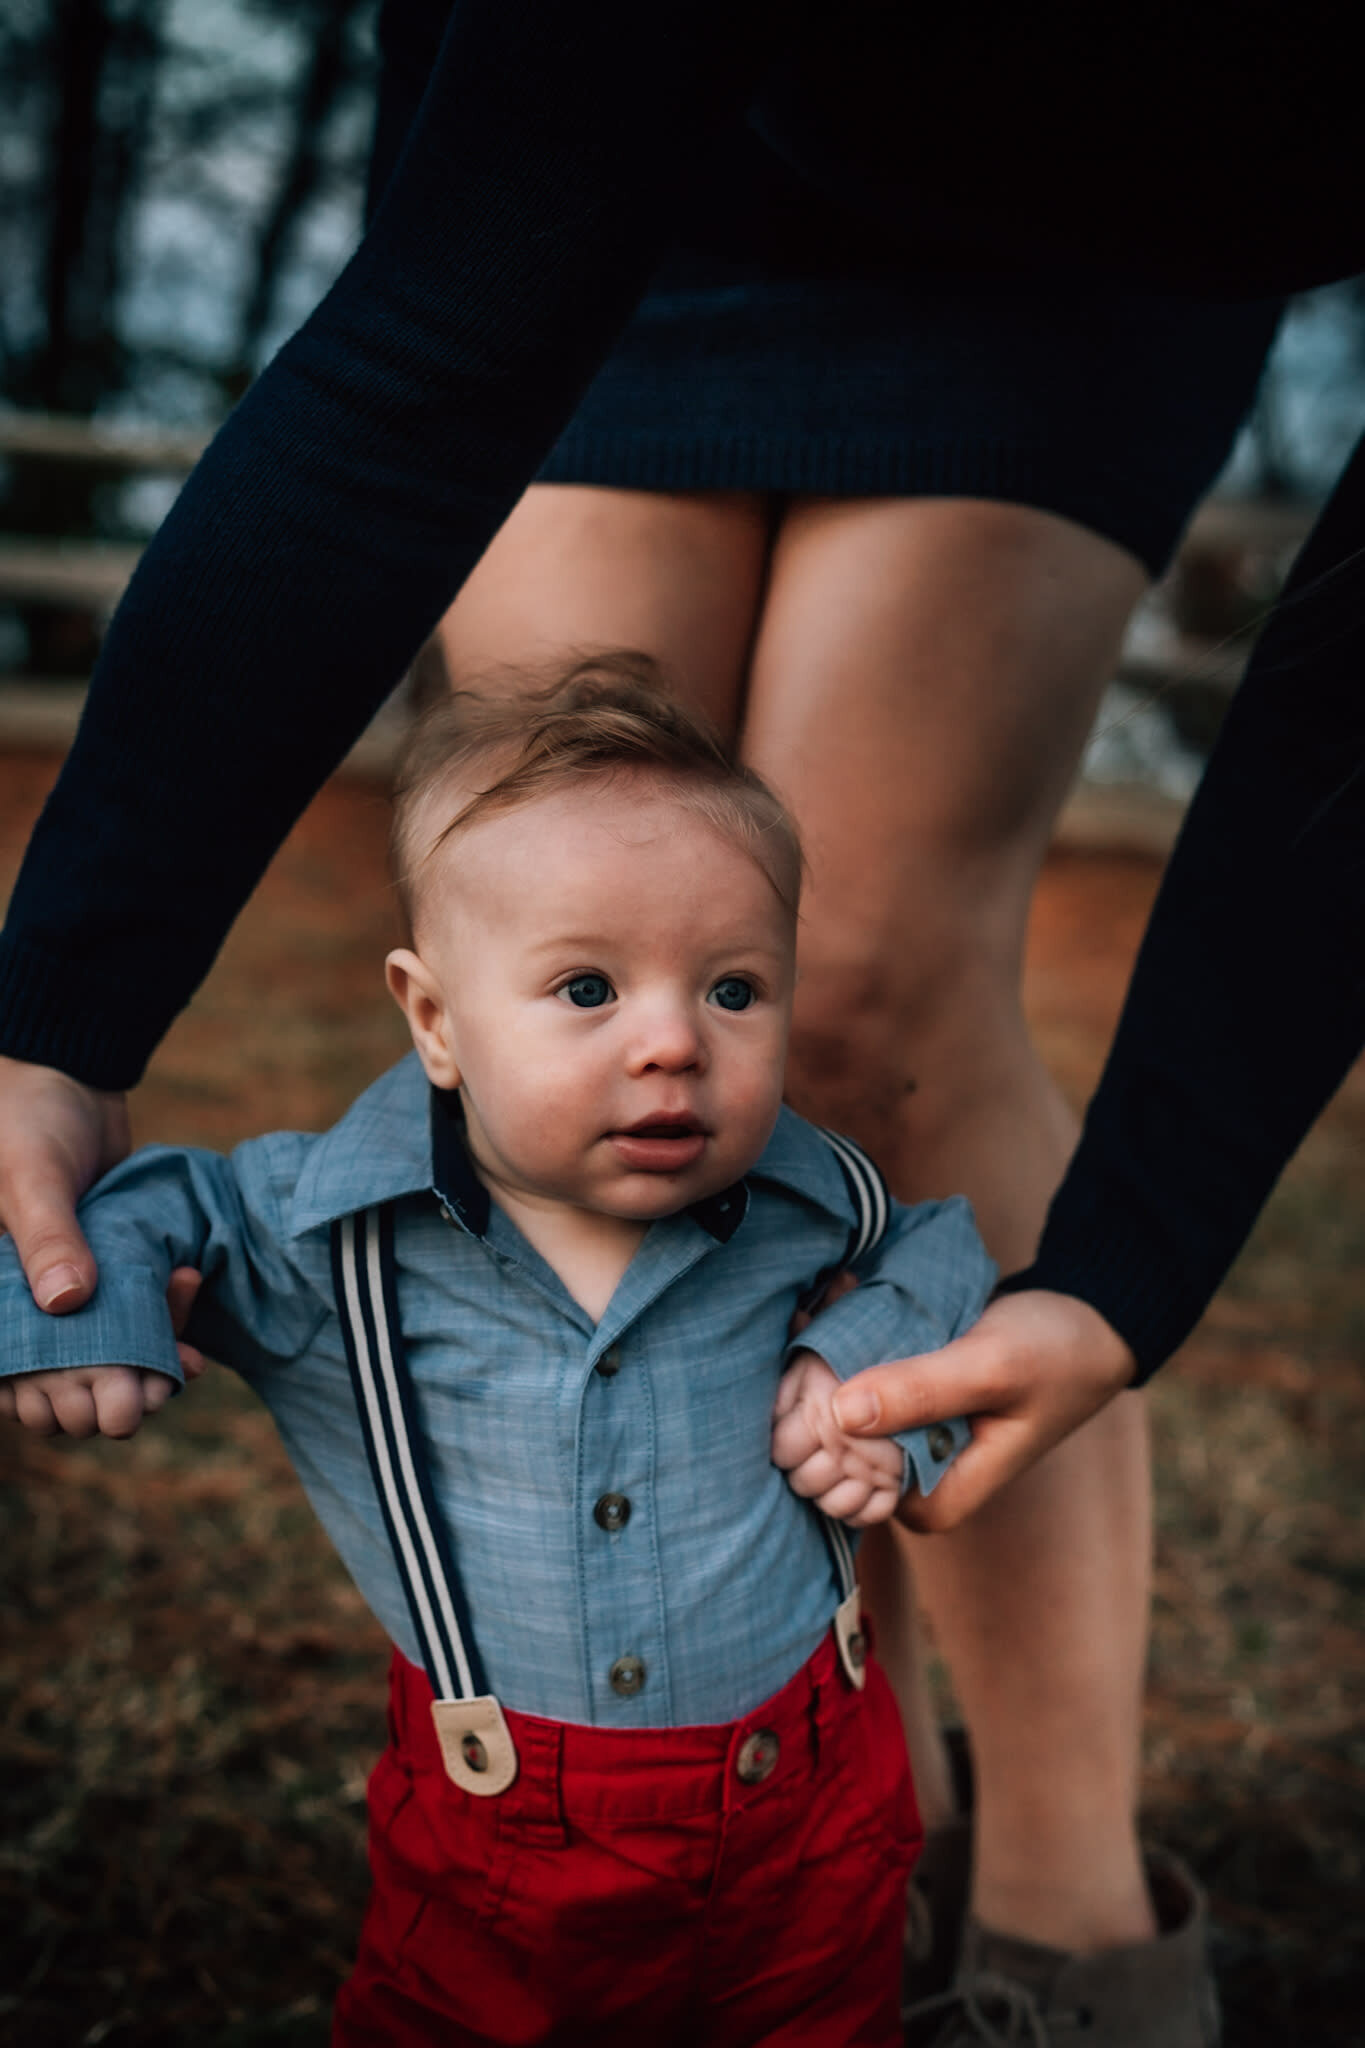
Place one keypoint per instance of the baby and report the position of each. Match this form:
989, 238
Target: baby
518, 1317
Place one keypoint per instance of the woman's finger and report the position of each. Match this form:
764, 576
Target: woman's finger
181, 1291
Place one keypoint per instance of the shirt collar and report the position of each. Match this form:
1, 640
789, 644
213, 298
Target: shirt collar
798, 1158
404, 1137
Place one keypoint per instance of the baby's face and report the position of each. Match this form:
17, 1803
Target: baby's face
608, 980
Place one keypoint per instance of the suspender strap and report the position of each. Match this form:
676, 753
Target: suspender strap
475, 1740
868, 1192
871, 1201
363, 1271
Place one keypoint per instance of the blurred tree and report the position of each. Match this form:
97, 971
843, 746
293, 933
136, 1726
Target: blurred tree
90, 71
104, 75
161, 166
321, 82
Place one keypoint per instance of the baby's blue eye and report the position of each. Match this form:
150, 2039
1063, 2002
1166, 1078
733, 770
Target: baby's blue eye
734, 993
587, 991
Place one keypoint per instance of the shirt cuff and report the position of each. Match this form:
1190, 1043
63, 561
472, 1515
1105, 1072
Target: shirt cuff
127, 1323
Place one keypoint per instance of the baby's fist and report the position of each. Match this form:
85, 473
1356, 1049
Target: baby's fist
85, 1400
854, 1479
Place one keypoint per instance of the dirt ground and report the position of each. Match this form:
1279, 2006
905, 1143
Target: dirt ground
191, 1691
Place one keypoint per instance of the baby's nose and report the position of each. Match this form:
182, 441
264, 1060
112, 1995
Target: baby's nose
669, 1040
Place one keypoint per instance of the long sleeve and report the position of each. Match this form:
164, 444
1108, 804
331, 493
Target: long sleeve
168, 1207
924, 1284
343, 503
1247, 1004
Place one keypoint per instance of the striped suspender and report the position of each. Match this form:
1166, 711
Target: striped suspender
872, 1211
869, 1193
470, 1726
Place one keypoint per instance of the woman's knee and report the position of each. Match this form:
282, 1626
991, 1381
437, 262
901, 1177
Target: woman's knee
892, 1035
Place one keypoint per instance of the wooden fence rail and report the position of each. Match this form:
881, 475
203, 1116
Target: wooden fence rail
92, 575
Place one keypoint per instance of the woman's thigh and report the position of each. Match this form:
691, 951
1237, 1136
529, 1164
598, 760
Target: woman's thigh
577, 568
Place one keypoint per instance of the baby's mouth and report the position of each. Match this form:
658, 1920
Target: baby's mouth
662, 1143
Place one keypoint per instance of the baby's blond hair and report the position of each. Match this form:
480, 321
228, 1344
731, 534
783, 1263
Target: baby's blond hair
607, 716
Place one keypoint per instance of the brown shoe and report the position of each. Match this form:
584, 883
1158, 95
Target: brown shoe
936, 1911
1150, 1994
936, 1905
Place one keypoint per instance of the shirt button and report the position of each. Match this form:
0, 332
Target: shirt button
757, 1757
612, 1512
627, 1676
940, 1441
609, 1364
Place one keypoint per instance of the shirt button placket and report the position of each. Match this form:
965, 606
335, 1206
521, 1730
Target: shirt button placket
611, 1512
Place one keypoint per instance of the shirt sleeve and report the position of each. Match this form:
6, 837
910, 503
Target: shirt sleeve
341, 506
163, 1208
924, 1284
1247, 1004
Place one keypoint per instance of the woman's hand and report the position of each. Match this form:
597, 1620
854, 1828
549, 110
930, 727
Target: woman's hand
1035, 1367
56, 1137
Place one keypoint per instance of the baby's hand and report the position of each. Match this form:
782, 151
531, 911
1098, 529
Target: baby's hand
104, 1400
85, 1400
855, 1479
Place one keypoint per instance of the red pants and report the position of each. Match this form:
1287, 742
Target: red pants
641, 1876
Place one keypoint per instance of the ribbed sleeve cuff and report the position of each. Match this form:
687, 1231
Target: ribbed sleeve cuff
1110, 1252
52, 1013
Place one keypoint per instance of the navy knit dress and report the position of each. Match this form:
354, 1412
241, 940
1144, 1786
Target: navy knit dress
784, 346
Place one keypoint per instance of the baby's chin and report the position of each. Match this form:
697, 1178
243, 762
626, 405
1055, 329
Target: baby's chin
645, 1198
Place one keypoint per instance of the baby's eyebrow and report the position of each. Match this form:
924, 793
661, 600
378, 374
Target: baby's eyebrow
572, 942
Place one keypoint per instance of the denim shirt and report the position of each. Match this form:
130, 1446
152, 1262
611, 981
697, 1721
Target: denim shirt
719, 1578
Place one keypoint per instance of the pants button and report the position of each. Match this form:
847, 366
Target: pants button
757, 1757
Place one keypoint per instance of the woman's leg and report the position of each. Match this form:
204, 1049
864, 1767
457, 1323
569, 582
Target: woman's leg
677, 577
923, 681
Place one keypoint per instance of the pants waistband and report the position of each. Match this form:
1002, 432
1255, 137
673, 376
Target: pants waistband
567, 1770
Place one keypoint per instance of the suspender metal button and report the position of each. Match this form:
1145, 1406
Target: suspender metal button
612, 1512
473, 1752
627, 1676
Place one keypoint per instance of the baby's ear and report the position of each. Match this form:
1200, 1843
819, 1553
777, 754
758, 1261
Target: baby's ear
421, 998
